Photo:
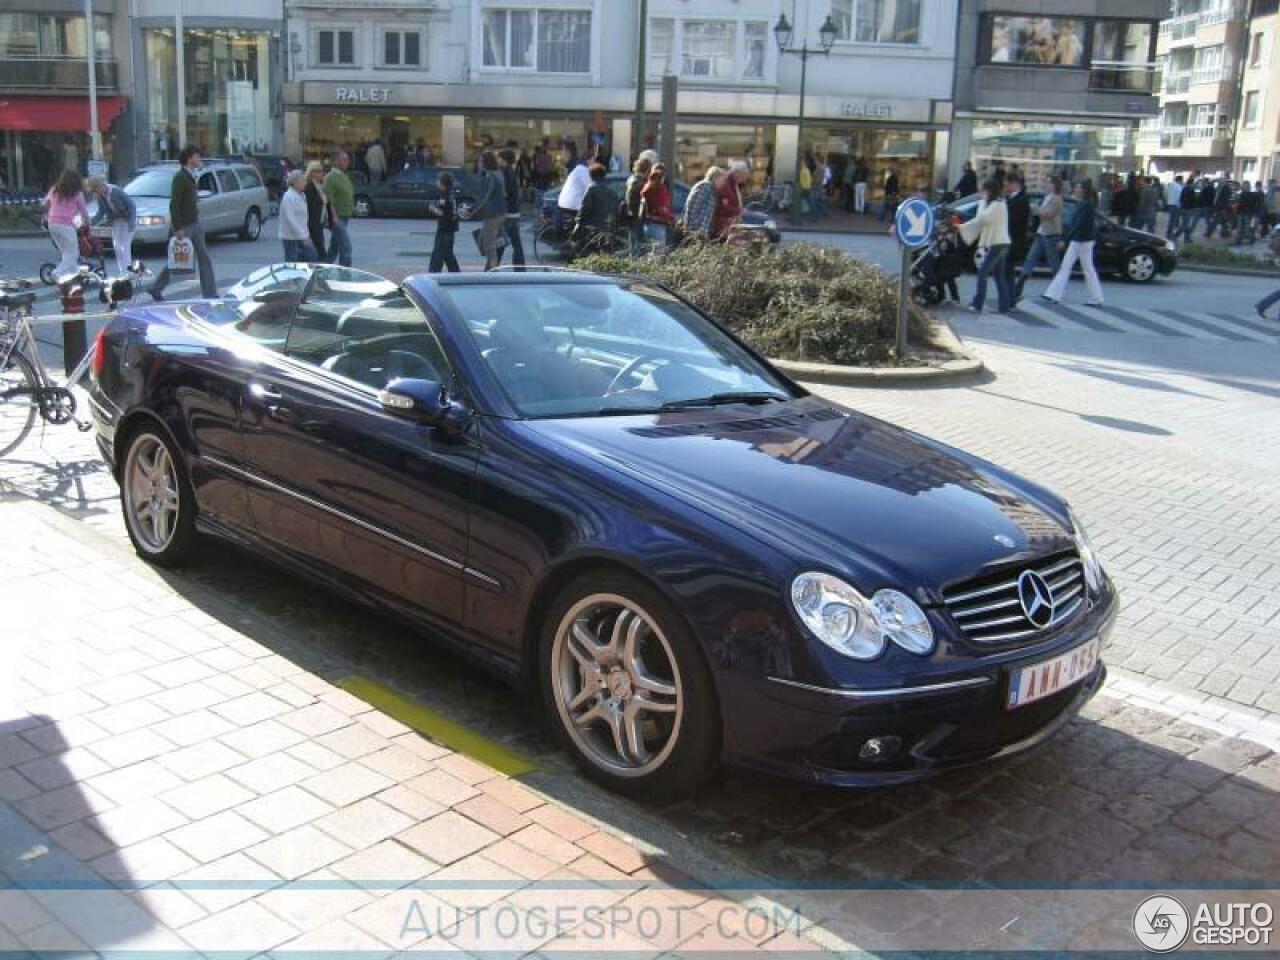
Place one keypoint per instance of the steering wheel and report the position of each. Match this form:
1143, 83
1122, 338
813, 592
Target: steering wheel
627, 371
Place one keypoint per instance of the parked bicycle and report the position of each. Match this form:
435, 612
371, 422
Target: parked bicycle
27, 389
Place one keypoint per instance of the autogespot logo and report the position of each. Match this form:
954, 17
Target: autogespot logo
1161, 924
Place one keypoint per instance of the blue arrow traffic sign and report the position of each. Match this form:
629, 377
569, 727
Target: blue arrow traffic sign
914, 222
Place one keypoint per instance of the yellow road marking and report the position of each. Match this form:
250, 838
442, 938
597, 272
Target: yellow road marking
438, 727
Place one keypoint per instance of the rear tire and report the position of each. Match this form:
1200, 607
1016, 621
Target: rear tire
18, 406
626, 687
252, 228
157, 499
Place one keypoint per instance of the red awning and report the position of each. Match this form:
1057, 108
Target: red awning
62, 114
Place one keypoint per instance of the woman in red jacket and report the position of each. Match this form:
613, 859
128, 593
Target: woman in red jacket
655, 198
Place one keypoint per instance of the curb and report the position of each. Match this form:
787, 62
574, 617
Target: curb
1228, 271
965, 366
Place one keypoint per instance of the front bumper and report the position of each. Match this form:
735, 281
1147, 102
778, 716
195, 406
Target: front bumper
816, 734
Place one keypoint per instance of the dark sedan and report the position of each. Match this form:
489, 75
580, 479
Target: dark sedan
679, 195
411, 192
592, 488
1133, 254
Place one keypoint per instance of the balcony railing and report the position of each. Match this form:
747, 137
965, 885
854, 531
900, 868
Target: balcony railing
1171, 138
1175, 83
1221, 13
54, 73
1205, 131
1181, 28
1122, 75
1213, 74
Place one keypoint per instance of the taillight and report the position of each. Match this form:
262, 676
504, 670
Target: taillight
99, 354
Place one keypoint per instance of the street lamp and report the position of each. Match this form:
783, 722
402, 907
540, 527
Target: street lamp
783, 33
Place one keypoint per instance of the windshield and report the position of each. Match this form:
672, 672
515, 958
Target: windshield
151, 183
604, 349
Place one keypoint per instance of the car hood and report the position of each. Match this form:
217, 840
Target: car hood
834, 489
152, 206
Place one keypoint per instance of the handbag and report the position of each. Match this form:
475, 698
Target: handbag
182, 255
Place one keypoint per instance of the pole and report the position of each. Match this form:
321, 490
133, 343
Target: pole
180, 59
904, 296
796, 200
95, 135
637, 136
670, 98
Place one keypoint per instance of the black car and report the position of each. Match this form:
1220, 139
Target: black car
617, 182
412, 191
1135, 255
594, 489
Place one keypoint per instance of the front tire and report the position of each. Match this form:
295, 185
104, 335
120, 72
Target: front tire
626, 687
1140, 266
157, 500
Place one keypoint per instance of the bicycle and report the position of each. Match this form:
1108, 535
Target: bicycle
26, 387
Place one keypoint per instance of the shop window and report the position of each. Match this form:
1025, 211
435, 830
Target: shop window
1120, 57
1037, 41
335, 48
546, 41
877, 21
402, 48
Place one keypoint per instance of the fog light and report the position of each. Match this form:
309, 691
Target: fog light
878, 749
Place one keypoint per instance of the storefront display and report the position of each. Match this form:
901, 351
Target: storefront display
527, 132
323, 133
228, 90
1075, 150
908, 153
702, 145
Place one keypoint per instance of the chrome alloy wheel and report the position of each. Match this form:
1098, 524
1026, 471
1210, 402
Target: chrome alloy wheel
617, 686
151, 493
1141, 267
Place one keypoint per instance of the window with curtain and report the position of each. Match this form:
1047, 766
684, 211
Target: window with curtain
661, 46
877, 21
755, 36
564, 41
335, 48
707, 49
548, 41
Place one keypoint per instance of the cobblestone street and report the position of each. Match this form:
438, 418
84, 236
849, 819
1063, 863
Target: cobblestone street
184, 737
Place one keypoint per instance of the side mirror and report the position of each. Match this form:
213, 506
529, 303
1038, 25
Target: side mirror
426, 401
204, 194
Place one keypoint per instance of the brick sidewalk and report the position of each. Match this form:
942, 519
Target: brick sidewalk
242, 803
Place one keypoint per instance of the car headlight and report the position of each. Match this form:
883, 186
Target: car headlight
1170, 246
1093, 575
848, 623
770, 224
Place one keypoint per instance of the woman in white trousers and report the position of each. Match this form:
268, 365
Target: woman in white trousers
117, 208
1080, 238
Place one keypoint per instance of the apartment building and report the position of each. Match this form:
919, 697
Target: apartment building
1053, 87
44, 86
1256, 150
1201, 49
458, 74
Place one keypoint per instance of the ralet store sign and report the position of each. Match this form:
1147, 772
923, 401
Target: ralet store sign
362, 94
867, 110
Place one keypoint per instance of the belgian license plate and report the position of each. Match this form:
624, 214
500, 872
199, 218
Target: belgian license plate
1044, 679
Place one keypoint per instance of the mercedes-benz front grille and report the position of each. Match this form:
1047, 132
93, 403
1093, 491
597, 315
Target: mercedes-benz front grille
993, 610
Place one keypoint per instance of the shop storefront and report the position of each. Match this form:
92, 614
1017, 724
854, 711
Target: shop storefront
42, 136
227, 78
910, 154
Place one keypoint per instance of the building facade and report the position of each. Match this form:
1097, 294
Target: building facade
1053, 87
456, 75
1201, 51
44, 86
1256, 149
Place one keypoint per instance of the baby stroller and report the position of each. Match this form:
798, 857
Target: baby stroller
90, 256
934, 272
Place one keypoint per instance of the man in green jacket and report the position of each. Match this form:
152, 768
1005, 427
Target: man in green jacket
337, 187
184, 221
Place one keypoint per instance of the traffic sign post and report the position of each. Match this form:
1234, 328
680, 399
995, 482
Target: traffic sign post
913, 224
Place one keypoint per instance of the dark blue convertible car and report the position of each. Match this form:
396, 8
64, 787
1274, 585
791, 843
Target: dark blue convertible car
594, 489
